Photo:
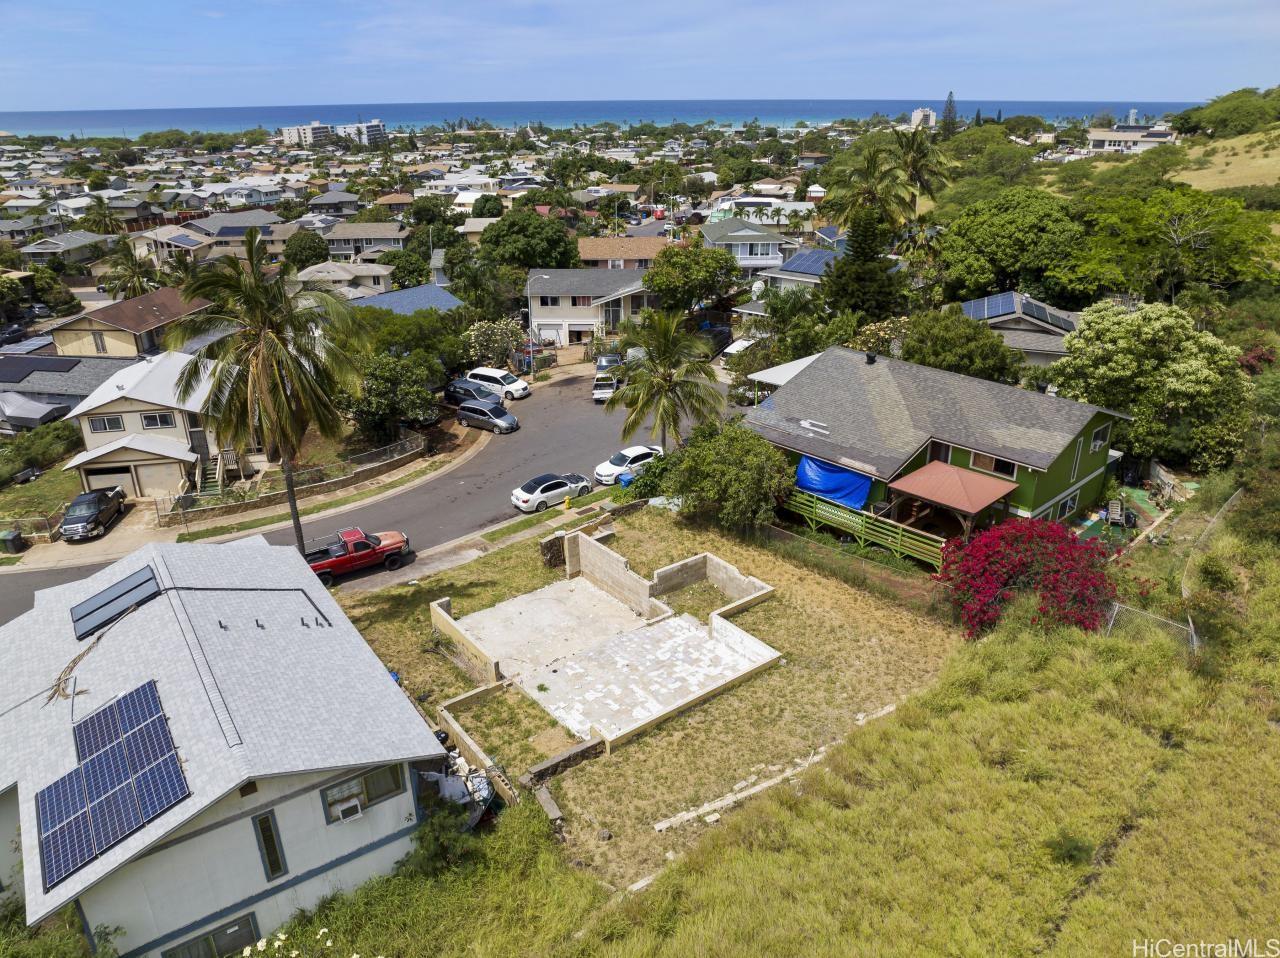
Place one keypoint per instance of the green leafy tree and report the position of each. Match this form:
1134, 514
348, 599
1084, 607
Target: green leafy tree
1233, 114
98, 180
860, 281
670, 380
11, 296
948, 339
433, 210
10, 258
277, 372
129, 274
1188, 396
681, 276
392, 389
524, 239
180, 269
290, 209
1013, 241
99, 217
489, 204
305, 248
51, 291
427, 337
372, 214
728, 473
408, 269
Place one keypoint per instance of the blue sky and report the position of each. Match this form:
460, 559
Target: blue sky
94, 54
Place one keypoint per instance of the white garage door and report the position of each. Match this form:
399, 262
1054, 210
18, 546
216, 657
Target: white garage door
104, 479
161, 479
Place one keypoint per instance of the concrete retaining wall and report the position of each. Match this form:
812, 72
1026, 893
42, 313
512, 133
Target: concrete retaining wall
610, 572
734, 584
679, 575
565, 760
480, 665
476, 756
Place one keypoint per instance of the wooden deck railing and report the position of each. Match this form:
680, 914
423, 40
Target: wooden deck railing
866, 528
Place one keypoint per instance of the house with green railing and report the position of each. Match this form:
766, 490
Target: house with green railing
907, 456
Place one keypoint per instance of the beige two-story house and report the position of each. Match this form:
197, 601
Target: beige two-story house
573, 305
131, 327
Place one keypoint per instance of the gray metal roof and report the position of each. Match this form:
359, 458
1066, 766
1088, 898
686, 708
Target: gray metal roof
209, 225
874, 417
259, 671
582, 282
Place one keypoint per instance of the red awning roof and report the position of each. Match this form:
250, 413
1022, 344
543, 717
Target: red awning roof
954, 488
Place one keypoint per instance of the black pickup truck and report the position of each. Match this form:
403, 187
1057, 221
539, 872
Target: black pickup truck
90, 515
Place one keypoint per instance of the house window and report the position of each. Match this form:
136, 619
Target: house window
273, 863
1075, 462
582, 302
193, 420
231, 938
341, 800
106, 424
1000, 467
99, 342
1101, 438
1068, 505
939, 452
615, 264
548, 300
157, 420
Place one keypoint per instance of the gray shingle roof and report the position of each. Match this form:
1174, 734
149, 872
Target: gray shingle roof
753, 232
874, 417
332, 197
391, 230
209, 225
80, 380
582, 282
259, 672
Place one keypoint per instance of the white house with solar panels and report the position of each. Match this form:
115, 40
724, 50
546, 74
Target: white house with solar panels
195, 743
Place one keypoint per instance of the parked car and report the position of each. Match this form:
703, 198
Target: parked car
499, 381
604, 386
12, 333
36, 311
719, 337
352, 549
461, 390
606, 361
91, 514
633, 459
487, 415
549, 489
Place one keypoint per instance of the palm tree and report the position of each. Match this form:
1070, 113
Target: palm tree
130, 275
99, 217
926, 168
671, 382
872, 178
181, 269
277, 371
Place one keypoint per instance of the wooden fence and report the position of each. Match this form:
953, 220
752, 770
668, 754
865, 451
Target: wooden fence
867, 529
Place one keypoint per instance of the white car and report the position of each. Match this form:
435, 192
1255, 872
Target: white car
633, 459
549, 489
499, 381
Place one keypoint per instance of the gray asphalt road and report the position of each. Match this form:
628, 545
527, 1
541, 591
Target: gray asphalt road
561, 430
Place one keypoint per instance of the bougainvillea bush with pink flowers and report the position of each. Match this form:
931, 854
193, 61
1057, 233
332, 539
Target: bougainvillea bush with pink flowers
1066, 573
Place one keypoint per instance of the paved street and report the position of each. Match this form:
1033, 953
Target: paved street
561, 430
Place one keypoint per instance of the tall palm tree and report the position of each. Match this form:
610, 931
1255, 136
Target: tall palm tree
129, 275
99, 217
671, 382
181, 269
277, 371
926, 168
872, 178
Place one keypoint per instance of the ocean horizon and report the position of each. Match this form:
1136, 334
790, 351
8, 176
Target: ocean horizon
553, 113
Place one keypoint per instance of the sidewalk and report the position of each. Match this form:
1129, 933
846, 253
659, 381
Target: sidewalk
141, 525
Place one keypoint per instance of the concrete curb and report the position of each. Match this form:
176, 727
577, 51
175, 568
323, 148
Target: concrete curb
172, 532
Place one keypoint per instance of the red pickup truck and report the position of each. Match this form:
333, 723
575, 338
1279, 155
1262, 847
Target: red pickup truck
353, 549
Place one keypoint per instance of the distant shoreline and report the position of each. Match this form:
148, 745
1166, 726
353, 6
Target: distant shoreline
552, 113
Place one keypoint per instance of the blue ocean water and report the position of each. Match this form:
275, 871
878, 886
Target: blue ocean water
556, 113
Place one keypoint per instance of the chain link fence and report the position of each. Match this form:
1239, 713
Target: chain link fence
1126, 618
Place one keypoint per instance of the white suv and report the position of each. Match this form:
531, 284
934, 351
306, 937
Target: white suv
499, 381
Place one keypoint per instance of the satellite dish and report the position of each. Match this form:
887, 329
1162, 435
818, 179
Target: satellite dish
757, 288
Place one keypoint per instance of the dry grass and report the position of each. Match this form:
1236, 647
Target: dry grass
513, 730
698, 600
41, 496
845, 651
1249, 160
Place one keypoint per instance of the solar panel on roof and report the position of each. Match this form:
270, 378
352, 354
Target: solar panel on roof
129, 774
14, 369
112, 602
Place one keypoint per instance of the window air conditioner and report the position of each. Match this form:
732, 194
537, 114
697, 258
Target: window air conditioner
1095, 445
348, 810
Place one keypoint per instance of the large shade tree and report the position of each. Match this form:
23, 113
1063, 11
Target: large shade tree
670, 379
278, 367
683, 275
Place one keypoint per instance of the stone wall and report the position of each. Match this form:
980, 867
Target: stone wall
479, 664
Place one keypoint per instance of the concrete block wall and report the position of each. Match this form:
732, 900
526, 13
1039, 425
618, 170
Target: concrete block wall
734, 584
680, 575
607, 570
482, 667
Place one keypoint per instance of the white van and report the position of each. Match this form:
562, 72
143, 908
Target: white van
499, 381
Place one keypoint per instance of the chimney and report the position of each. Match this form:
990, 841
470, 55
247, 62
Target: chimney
871, 359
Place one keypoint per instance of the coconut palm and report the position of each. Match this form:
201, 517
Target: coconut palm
671, 381
129, 274
99, 217
872, 178
277, 369
926, 168
181, 269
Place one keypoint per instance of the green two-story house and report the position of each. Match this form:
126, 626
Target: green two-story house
933, 450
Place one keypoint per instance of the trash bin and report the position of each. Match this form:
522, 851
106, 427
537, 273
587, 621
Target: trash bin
11, 542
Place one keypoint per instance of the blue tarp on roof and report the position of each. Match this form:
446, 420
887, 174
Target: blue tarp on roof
844, 486
409, 301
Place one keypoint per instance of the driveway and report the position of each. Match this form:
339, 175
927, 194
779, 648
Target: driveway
561, 430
